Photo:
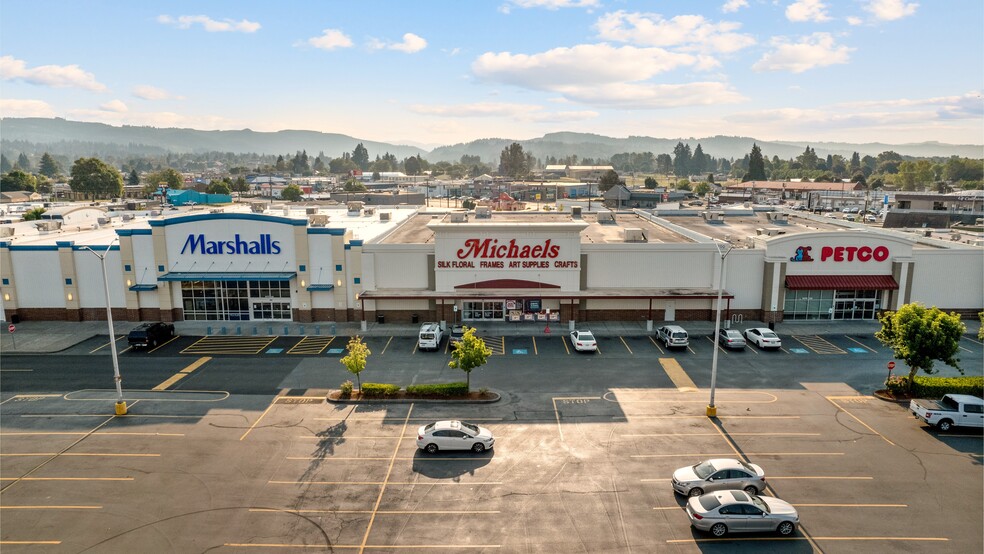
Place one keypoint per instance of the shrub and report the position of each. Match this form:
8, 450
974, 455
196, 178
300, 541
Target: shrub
936, 387
897, 384
346, 389
379, 390
439, 389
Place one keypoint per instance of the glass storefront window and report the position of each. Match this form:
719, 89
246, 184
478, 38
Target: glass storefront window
830, 304
236, 300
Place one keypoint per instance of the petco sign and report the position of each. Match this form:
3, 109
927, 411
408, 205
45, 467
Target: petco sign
842, 254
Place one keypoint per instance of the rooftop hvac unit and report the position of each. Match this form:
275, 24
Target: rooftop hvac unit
368, 212
750, 242
6, 231
286, 210
310, 211
384, 216
155, 213
777, 217
635, 234
576, 212
955, 237
258, 207
606, 218
483, 212
458, 217
318, 220
713, 217
927, 232
220, 210
127, 217
47, 225
354, 207
773, 231
103, 220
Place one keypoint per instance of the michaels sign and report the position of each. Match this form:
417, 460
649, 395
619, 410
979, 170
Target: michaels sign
199, 244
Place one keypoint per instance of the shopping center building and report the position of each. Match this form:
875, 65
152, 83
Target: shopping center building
400, 264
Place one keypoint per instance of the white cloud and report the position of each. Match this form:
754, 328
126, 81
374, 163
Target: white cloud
734, 5
154, 119
890, 10
517, 112
652, 96
411, 44
57, 76
807, 10
209, 24
12, 107
330, 39
816, 50
854, 21
548, 4
114, 106
148, 92
686, 32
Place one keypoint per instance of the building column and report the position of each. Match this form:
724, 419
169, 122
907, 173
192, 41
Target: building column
164, 293
70, 281
8, 288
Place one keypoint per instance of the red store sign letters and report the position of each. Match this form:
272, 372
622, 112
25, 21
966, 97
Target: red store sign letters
852, 253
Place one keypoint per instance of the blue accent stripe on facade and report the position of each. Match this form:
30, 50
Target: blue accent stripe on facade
325, 231
131, 232
143, 288
96, 247
205, 276
208, 217
320, 287
33, 247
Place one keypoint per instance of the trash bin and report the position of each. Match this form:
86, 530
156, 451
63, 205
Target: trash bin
15, 319
380, 318
414, 318
772, 326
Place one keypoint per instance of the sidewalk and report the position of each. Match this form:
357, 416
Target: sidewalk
55, 336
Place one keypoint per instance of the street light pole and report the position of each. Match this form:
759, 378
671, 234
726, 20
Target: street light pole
120, 403
711, 408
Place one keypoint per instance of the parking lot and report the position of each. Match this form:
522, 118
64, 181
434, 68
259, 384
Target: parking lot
195, 471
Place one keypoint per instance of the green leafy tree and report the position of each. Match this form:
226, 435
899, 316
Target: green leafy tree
919, 336
5, 165
355, 360
342, 165
219, 187
91, 176
354, 186
167, 176
608, 180
33, 215
470, 353
361, 157
240, 185
291, 193
133, 179
701, 189
43, 184
468, 204
48, 166
16, 179
281, 165
980, 331
513, 161
650, 183
756, 165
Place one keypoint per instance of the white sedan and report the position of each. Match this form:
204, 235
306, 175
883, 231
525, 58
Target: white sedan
583, 341
454, 435
763, 337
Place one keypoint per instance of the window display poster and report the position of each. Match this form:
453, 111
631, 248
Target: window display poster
533, 305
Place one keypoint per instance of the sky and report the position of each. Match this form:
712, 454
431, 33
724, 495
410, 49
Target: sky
439, 72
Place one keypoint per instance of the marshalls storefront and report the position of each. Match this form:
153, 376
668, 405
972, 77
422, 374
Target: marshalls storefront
393, 265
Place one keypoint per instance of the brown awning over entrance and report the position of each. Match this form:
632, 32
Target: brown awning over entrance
841, 282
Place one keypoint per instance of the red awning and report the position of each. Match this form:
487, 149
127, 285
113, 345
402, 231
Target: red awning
840, 282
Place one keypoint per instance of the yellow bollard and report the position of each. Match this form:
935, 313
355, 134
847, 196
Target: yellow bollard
712, 411
121, 408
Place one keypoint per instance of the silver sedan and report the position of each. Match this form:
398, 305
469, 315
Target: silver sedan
718, 474
726, 512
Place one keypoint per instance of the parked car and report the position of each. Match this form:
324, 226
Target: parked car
719, 474
952, 410
739, 512
673, 336
454, 435
731, 338
150, 335
763, 337
457, 331
583, 341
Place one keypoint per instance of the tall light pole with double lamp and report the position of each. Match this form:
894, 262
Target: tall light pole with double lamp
120, 403
723, 252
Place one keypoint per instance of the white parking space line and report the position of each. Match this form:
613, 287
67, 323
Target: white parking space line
720, 454
730, 434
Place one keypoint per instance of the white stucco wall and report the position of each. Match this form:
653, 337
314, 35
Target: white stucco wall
92, 292
649, 266
320, 265
948, 279
144, 265
38, 277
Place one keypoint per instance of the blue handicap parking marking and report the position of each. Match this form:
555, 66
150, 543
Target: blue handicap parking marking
521, 351
336, 350
274, 350
799, 351
858, 350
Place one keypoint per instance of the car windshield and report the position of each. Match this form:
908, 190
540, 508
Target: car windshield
760, 504
471, 427
428, 427
704, 470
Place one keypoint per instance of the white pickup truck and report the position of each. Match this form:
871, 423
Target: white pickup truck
961, 410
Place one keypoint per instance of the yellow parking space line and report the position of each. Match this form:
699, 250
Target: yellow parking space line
158, 347
733, 539
823, 477
66, 478
704, 416
564, 342
832, 399
31, 542
626, 344
394, 547
107, 344
535, 352
51, 507
380, 512
182, 374
818, 344
91, 454
731, 434
311, 345
229, 345
718, 454
257, 421
676, 374
347, 437
861, 344
381, 483
651, 339
387, 346
851, 505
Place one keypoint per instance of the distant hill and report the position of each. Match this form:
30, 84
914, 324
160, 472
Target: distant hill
92, 138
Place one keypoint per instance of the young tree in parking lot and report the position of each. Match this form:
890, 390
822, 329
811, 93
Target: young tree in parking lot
355, 360
920, 336
980, 331
470, 353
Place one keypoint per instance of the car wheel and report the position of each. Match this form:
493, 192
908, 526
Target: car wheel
752, 490
431, 448
719, 530
786, 528
153, 343
696, 491
478, 448
944, 425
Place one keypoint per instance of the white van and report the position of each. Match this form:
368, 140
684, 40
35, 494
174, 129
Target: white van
430, 336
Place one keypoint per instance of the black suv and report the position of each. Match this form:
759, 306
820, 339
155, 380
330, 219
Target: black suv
149, 335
